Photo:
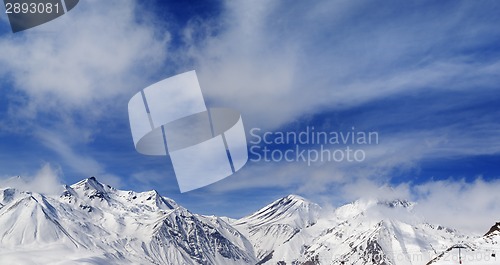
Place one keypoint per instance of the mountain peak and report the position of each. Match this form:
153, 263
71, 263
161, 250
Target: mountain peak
91, 219
91, 181
92, 188
295, 198
289, 204
292, 209
278, 223
396, 203
494, 230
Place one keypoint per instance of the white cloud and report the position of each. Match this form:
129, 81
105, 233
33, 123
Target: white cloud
64, 77
81, 61
397, 154
46, 181
467, 206
277, 64
367, 189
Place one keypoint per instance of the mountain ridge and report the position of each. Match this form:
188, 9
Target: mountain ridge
98, 224
94, 223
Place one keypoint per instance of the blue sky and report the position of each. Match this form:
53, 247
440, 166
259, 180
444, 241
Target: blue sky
424, 75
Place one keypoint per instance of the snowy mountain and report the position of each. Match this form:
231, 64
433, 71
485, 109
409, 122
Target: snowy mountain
363, 232
370, 232
292, 231
277, 223
94, 223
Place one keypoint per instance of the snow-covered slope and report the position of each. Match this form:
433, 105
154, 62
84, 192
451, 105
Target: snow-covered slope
94, 223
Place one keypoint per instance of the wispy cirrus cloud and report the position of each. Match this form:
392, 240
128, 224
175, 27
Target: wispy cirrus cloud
423, 76
298, 61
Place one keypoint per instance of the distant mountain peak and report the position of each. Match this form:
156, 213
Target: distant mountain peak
397, 203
